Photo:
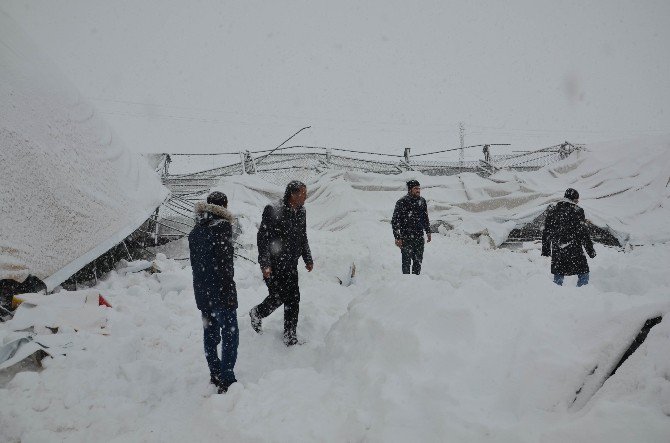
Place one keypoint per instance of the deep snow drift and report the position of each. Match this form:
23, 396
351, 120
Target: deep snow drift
481, 347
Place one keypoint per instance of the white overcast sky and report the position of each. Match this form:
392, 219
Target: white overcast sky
206, 76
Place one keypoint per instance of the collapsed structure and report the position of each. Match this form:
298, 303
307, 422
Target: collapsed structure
497, 200
70, 191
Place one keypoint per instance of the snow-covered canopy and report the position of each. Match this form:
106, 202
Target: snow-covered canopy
623, 188
69, 189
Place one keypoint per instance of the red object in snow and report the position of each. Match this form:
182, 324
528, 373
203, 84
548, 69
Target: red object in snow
103, 302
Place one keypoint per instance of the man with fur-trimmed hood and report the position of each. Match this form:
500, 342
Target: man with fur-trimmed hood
211, 250
564, 239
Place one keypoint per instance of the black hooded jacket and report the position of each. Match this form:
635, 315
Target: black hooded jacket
565, 237
282, 237
211, 252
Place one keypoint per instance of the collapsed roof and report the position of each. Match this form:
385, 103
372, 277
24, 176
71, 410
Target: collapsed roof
624, 189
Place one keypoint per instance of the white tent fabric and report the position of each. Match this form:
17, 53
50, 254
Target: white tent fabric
69, 190
627, 194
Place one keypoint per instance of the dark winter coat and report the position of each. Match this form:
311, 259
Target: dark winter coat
282, 237
410, 218
565, 237
211, 250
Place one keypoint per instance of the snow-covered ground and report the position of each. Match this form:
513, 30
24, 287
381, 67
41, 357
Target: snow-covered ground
481, 347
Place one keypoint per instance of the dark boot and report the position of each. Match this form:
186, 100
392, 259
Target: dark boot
223, 387
292, 340
256, 321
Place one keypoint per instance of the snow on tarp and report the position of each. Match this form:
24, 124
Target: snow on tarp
626, 194
623, 188
77, 310
70, 189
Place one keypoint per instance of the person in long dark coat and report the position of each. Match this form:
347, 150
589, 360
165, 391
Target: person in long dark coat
409, 222
282, 240
211, 251
564, 239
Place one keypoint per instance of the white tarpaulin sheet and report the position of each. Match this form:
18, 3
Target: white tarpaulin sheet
624, 187
69, 190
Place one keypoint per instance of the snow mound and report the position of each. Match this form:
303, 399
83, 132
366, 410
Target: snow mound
70, 189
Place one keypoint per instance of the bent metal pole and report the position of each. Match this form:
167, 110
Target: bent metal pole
282, 144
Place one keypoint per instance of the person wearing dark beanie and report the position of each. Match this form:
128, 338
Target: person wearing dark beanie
413, 184
571, 194
565, 237
409, 222
218, 198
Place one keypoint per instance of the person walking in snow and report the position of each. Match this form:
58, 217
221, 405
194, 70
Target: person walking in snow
282, 240
409, 222
211, 251
564, 239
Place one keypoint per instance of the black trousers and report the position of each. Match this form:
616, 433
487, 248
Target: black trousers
282, 290
412, 254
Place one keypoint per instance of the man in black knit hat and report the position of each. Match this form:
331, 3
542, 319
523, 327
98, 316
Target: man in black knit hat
409, 222
564, 239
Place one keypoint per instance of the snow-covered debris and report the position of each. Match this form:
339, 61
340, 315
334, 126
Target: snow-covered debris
482, 346
74, 311
623, 189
